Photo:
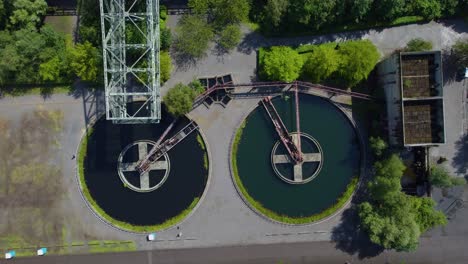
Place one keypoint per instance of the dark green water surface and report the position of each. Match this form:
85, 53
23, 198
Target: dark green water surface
341, 156
186, 181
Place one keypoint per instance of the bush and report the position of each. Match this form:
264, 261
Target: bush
163, 12
377, 145
418, 44
166, 66
229, 37
440, 177
166, 38
359, 58
321, 63
281, 64
179, 99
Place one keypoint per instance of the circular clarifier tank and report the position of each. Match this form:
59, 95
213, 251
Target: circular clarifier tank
160, 197
297, 192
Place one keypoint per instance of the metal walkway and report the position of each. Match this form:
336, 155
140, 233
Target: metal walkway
265, 88
282, 131
159, 150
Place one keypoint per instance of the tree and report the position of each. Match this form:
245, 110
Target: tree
282, 64
50, 70
222, 12
27, 13
396, 230
321, 63
378, 145
166, 66
461, 52
314, 13
393, 219
229, 37
449, 7
360, 9
389, 10
388, 174
85, 60
359, 59
440, 177
179, 99
193, 36
418, 44
428, 9
426, 216
274, 11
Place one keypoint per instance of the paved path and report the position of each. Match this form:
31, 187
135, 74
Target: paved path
447, 250
242, 62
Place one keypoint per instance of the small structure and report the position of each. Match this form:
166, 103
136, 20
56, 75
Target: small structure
415, 109
10, 254
42, 251
151, 237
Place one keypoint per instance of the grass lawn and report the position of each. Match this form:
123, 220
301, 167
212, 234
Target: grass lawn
63, 24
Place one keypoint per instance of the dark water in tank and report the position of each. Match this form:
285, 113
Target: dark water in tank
186, 181
341, 156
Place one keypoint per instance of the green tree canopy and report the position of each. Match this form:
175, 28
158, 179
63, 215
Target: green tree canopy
312, 12
428, 9
359, 59
85, 61
193, 36
321, 63
440, 177
179, 99
222, 12
418, 44
282, 64
27, 13
229, 37
393, 219
360, 9
389, 9
274, 11
378, 145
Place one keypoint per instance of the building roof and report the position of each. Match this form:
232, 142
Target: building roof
422, 98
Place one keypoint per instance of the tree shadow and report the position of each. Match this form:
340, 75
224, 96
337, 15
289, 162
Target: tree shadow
457, 25
350, 239
449, 66
460, 160
184, 61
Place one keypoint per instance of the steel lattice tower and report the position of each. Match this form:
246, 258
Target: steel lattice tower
130, 40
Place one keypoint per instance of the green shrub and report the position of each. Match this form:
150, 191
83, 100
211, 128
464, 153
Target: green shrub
418, 44
281, 64
166, 66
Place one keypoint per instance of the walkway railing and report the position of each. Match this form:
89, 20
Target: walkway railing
282, 131
266, 88
159, 150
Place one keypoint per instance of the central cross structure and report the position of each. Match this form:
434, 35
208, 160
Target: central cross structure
162, 165
306, 158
